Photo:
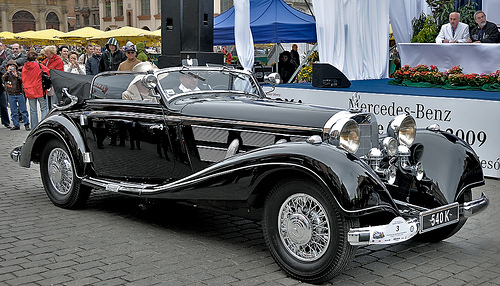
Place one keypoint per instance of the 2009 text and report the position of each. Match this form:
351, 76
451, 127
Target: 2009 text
470, 136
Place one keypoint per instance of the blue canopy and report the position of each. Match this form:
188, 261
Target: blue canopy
271, 21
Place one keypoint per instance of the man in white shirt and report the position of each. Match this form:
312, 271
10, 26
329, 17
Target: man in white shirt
453, 32
188, 83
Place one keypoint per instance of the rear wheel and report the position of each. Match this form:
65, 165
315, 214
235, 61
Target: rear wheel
305, 232
57, 170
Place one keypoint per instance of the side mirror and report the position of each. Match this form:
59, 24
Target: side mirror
273, 78
150, 81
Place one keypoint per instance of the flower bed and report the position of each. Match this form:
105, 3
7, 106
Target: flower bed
425, 76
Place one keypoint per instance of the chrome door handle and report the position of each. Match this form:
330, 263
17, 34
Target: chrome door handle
157, 127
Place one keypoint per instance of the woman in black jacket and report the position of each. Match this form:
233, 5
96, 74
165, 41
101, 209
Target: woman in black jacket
285, 67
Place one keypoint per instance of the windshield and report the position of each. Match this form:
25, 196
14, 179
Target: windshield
182, 81
174, 82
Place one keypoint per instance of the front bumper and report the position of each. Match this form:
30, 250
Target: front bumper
401, 229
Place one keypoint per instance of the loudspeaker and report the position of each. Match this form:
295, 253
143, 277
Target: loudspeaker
204, 57
171, 28
327, 76
198, 25
166, 61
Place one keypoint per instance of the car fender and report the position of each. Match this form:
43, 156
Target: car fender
59, 127
356, 187
450, 162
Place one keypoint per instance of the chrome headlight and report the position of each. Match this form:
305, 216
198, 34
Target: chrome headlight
150, 81
273, 78
346, 135
403, 128
390, 145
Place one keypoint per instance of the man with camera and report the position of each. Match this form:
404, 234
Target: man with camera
13, 86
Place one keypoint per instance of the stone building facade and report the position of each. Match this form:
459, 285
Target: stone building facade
87, 14
144, 14
23, 15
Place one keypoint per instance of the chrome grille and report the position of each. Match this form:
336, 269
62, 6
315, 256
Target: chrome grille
366, 130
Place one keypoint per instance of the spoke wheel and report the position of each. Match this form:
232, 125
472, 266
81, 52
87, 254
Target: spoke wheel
304, 227
60, 171
305, 232
58, 176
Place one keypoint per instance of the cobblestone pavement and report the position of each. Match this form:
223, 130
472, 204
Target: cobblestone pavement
114, 241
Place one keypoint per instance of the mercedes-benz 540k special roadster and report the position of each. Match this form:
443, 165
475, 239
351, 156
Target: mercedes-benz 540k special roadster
322, 180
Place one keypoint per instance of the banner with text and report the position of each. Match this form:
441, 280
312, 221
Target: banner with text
470, 119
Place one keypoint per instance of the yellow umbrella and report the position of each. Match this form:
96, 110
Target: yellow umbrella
154, 38
81, 36
156, 33
7, 37
42, 37
122, 35
21, 37
48, 36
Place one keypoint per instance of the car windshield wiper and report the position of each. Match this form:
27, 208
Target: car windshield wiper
235, 74
189, 73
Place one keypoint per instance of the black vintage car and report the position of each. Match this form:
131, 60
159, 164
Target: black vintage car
321, 179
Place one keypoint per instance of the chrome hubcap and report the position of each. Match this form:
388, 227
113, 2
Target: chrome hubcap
60, 171
304, 227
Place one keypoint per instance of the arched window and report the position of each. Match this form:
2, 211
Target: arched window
23, 21
52, 21
146, 28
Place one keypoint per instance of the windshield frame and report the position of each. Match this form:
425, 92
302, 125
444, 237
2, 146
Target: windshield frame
222, 69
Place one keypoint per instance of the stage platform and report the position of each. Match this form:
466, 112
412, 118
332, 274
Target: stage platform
382, 86
471, 115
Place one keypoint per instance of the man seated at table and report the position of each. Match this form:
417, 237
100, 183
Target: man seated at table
485, 31
453, 32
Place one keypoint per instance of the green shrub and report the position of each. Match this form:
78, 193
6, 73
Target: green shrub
428, 33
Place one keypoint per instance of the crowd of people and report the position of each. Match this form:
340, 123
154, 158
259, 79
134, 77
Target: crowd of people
21, 74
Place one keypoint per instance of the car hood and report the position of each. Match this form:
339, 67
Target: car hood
263, 111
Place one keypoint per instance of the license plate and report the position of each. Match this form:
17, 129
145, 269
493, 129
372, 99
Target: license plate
439, 217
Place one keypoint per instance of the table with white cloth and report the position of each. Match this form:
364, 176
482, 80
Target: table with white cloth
472, 58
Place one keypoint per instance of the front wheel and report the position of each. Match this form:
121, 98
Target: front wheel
305, 232
61, 184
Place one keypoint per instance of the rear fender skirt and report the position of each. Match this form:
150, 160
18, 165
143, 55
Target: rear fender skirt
62, 128
356, 188
450, 163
